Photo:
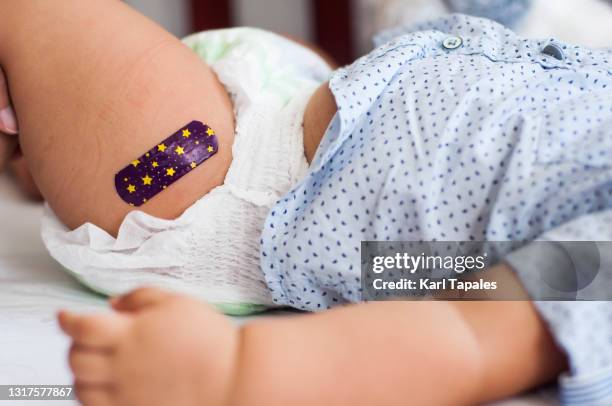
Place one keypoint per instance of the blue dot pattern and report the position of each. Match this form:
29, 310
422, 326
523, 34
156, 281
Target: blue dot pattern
582, 329
491, 140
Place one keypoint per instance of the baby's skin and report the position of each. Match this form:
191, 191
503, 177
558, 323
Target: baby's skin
10, 155
121, 91
96, 86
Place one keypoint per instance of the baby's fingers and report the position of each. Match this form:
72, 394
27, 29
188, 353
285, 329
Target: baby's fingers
94, 395
22, 174
8, 121
8, 143
98, 331
140, 299
90, 367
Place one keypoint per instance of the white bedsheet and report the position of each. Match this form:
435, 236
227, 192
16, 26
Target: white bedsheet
33, 288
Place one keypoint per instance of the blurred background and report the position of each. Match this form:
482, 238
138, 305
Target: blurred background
344, 27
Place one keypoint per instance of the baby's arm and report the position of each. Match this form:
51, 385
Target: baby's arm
435, 353
95, 85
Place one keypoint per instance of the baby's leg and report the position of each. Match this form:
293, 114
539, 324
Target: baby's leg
385, 353
95, 85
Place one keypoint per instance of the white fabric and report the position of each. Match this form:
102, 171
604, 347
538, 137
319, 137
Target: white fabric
584, 22
33, 288
212, 250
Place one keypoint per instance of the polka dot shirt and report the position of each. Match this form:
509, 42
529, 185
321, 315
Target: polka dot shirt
582, 329
458, 130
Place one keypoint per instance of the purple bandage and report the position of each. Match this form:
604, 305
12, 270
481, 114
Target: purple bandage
166, 163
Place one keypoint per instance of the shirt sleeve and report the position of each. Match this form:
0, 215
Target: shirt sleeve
583, 328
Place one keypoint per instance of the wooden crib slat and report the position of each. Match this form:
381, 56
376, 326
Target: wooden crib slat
334, 28
332, 23
211, 14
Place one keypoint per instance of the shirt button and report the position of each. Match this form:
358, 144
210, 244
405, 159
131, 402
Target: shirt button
553, 50
452, 42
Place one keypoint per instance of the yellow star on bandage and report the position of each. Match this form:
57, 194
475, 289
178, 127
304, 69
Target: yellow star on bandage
179, 150
210, 132
210, 149
170, 171
193, 165
136, 163
161, 147
131, 188
155, 164
147, 180
186, 133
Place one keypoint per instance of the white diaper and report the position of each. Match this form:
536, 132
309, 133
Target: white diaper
212, 250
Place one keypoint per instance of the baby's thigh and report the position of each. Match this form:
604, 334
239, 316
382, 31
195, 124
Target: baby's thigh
99, 90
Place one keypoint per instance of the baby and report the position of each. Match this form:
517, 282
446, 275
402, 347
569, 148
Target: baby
436, 135
211, 250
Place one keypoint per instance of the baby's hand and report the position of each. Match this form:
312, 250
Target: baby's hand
157, 349
9, 156
8, 125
